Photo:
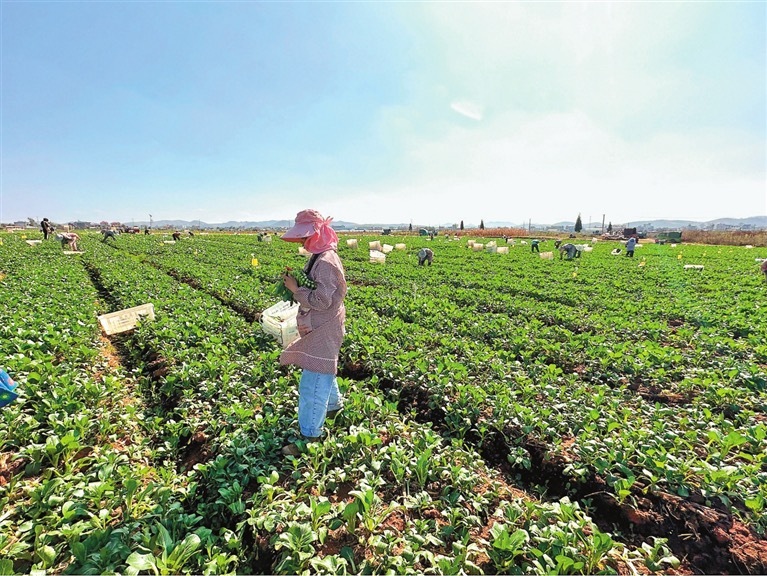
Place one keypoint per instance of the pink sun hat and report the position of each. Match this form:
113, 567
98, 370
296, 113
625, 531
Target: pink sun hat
316, 230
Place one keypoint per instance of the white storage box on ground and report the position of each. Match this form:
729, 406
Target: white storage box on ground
33, 242
477, 247
280, 321
377, 257
502, 250
547, 255
387, 248
124, 320
376, 245
351, 242
400, 246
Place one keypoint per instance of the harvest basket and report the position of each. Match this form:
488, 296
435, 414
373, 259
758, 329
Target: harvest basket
400, 246
280, 321
375, 245
377, 257
124, 320
502, 250
351, 243
387, 248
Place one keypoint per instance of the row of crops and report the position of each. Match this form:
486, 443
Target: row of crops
504, 413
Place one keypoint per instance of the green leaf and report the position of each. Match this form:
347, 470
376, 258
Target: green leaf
142, 562
6, 567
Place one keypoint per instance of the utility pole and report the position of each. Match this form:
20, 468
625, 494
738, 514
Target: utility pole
529, 225
603, 223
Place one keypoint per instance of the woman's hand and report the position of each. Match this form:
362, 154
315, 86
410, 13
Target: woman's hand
290, 283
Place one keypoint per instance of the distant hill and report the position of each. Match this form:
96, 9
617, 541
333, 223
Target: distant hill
754, 221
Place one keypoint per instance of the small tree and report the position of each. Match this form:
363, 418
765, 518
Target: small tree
410, 228
481, 224
610, 228
461, 224
578, 224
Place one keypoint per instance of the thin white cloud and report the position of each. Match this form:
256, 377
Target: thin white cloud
467, 109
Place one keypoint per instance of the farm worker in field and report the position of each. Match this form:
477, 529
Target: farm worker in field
7, 387
321, 318
763, 268
146, 230
69, 239
46, 227
191, 234
572, 251
557, 244
108, 234
630, 245
534, 246
425, 254
176, 235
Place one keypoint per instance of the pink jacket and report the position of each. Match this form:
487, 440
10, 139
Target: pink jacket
321, 318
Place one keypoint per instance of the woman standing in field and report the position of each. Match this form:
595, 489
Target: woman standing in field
320, 319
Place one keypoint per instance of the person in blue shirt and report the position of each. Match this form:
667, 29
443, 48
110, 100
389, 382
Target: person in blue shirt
630, 245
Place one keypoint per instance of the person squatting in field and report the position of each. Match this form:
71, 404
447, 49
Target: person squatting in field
68, 239
425, 254
763, 268
572, 251
108, 234
321, 318
176, 235
535, 246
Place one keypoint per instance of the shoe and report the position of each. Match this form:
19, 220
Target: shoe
295, 448
332, 413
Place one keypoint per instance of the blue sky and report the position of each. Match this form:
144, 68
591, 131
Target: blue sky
383, 112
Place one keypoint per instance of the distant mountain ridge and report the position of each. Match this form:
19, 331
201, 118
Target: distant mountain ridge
758, 222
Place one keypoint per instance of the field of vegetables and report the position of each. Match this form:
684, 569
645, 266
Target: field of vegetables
504, 413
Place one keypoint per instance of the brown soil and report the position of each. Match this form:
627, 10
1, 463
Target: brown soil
9, 467
196, 451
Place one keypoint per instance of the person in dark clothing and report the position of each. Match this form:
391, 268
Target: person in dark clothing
176, 235
146, 230
108, 234
572, 251
46, 227
424, 255
534, 246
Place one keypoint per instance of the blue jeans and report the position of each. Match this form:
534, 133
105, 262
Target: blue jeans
317, 395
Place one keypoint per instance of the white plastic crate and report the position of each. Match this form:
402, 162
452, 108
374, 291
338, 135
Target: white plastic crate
387, 248
33, 242
375, 245
280, 321
124, 320
400, 246
352, 243
377, 257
